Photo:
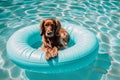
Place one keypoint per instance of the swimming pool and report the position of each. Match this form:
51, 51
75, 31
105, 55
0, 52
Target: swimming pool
102, 17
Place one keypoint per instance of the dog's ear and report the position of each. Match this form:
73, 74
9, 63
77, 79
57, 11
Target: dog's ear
42, 30
58, 26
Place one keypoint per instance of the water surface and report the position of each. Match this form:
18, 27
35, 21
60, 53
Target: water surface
102, 17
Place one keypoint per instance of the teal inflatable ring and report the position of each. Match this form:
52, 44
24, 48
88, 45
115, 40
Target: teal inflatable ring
22, 49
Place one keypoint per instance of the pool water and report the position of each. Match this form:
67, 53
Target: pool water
102, 17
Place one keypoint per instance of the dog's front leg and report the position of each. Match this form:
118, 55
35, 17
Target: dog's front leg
48, 54
54, 52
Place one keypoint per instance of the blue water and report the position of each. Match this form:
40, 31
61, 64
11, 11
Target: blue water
102, 17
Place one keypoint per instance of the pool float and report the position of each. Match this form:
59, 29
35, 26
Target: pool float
22, 49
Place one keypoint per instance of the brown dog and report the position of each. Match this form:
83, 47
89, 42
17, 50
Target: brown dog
54, 37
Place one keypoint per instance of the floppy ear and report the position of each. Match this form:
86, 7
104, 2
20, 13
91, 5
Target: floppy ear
58, 26
42, 30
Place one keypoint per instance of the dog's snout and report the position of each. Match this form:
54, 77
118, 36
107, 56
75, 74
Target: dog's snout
49, 33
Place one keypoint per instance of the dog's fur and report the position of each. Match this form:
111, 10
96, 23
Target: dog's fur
54, 37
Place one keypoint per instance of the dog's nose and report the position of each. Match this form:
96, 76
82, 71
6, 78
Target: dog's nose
49, 33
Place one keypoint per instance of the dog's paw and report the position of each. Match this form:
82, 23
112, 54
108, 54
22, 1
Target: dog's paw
54, 52
47, 56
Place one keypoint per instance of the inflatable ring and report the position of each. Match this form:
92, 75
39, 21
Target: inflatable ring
82, 50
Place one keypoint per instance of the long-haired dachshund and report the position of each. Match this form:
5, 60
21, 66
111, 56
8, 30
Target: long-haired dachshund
54, 37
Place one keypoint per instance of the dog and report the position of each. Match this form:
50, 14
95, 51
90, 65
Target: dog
54, 37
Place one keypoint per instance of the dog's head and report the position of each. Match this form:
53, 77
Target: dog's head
50, 27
